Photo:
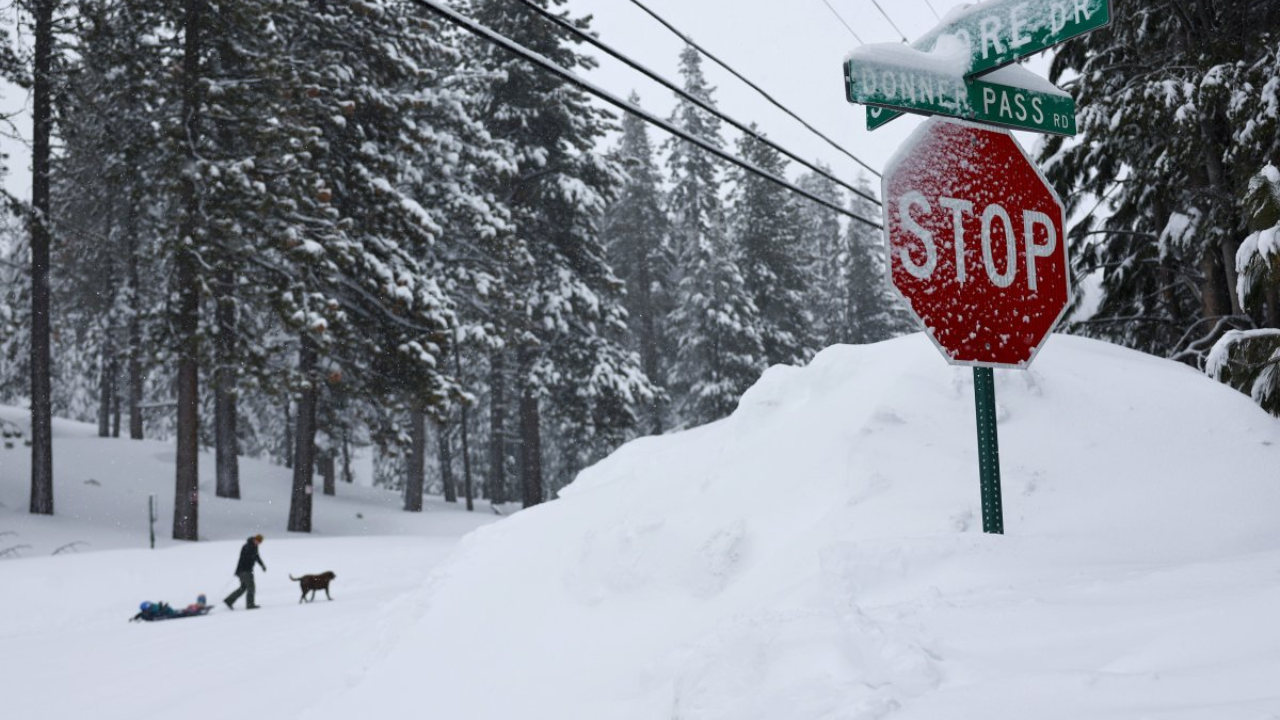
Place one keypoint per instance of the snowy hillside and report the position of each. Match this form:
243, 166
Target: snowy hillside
102, 485
818, 556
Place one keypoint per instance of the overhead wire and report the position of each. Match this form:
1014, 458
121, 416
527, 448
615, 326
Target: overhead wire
535, 58
688, 40
704, 105
935, 12
891, 22
842, 22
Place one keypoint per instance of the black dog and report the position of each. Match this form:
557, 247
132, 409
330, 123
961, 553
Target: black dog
312, 583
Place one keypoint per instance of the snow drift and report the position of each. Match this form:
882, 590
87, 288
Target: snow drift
819, 555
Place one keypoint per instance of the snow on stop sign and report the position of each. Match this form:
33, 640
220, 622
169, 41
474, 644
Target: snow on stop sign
976, 243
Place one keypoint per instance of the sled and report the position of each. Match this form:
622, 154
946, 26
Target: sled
162, 611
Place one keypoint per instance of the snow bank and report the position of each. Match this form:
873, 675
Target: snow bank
819, 555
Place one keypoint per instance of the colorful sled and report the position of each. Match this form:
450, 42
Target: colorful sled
153, 612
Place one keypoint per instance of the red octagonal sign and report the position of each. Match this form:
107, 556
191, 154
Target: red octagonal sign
976, 243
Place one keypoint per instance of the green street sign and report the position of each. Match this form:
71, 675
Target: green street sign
1001, 32
916, 89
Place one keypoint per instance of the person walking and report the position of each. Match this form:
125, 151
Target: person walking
244, 571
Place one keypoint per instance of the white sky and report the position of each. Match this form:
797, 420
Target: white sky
791, 48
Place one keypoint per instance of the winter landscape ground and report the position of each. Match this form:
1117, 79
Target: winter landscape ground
815, 556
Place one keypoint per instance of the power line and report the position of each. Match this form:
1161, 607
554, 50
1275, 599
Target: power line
842, 22
751, 85
525, 53
891, 22
708, 107
935, 12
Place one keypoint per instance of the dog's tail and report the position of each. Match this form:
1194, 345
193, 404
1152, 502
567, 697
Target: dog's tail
294, 578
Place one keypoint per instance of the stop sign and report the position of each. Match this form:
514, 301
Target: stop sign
976, 243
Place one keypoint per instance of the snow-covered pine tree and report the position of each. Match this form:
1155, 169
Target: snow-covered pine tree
1168, 97
825, 255
108, 194
566, 324
1249, 359
873, 312
635, 228
714, 324
767, 241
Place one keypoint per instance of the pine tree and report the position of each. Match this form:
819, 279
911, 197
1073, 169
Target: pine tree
639, 250
1249, 360
108, 195
872, 310
825, 257
715, 324
767, 237
567, 317
1172, 129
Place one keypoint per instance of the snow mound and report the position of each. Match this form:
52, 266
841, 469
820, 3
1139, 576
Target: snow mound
819, 555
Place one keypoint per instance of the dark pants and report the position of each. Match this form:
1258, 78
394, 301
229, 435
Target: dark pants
246, 586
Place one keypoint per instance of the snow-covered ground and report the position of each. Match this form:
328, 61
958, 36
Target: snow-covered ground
816, 556
67, 650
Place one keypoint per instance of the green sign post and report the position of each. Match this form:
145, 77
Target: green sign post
913, 89
1001, 32
927, 79
984, 395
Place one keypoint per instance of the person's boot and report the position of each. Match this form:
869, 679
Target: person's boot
253, 607
229, 605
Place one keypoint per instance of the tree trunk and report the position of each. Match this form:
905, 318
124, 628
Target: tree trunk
446, 463
226, 444
41, 356
304, 453
416, 476
135, 329
114, 392
466, 453
650, 344
328, 464
288, 434
1215, 297
530, 434
104, 389
496, 486
187, 320
346, 456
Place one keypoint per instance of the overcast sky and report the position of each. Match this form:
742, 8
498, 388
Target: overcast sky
791, 48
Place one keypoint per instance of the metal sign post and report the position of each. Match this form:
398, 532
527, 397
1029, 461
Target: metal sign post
984, 392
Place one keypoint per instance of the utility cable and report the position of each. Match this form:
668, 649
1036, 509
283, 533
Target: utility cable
935, 12
751, 85
842, 22
525, 53
708, 107
891, 22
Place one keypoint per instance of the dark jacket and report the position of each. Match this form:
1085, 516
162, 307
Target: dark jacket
249, 556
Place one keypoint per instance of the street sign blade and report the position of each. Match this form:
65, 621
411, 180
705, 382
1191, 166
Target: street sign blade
911, 88
1001, 32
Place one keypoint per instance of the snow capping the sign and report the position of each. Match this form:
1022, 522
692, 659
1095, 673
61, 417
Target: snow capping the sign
819, 555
